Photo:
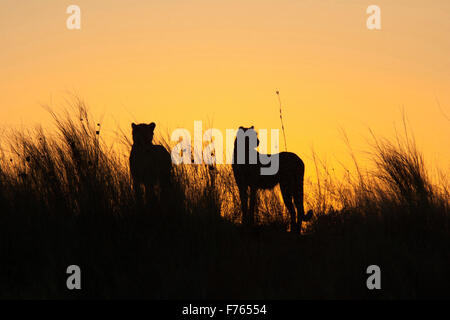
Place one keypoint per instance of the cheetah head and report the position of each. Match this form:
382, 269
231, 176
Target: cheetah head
143, 133
249, 134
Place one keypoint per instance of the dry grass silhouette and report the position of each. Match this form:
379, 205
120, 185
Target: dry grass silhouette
66, 198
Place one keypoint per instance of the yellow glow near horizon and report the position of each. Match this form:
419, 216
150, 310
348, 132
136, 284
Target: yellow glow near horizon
174, 62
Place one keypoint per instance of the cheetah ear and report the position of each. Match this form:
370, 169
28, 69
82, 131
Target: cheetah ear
152, 126
133, 125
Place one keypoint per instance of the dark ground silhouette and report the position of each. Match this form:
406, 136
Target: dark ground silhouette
68, 200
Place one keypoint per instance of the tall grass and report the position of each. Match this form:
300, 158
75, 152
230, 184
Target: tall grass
66, 198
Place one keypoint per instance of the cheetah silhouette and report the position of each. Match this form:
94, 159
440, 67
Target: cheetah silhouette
150, 165
249, 179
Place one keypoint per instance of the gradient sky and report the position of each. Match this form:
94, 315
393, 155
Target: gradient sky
177, 61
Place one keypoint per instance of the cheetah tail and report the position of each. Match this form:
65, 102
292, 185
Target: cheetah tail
308, 216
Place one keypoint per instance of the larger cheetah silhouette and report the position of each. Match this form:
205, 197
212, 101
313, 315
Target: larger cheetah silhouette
249, 179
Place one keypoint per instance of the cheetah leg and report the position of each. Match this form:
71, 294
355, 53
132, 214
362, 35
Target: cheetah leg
243, 194
287, 198
251, 213
138, 192
298, 199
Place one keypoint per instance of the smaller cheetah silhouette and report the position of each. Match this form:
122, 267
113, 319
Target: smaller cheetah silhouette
150, 165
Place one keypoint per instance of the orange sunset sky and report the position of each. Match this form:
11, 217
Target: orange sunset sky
174, 61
